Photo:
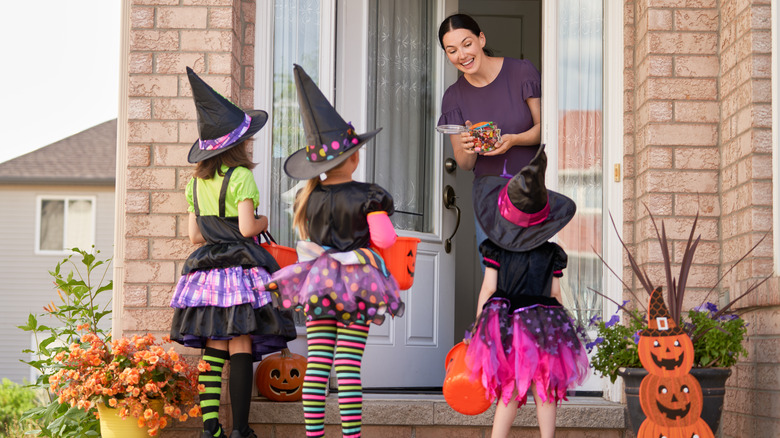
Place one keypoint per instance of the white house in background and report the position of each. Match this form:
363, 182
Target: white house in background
59, 196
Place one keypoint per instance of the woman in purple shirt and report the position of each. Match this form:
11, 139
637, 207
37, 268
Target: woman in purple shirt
505, 91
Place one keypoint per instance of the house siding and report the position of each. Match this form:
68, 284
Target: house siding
27, 286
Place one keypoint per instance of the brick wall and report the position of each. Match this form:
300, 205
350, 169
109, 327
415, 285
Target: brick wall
753, 395
216, 39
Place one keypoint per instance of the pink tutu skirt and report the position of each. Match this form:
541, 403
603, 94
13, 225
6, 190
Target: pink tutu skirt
349, 287
537, 344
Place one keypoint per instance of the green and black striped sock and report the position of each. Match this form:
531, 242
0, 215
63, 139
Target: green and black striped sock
209, 398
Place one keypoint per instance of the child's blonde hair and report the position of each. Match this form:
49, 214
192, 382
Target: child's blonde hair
302, 198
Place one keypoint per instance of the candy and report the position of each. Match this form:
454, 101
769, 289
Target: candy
486, 135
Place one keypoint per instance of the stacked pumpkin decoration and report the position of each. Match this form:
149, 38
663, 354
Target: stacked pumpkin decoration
670, 396
279, 377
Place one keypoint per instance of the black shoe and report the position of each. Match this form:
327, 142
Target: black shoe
219, 434
237, 434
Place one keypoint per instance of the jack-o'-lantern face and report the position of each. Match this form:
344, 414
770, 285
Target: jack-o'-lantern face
696, 430
410, 257
671, 401
666, 355
279, 377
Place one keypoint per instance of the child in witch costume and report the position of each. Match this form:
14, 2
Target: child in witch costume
523, 339
219, 302
339, 281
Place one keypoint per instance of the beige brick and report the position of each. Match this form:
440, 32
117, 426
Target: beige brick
141, 18
151, 179
689, 205
154, 40
139, 109
136, 249
177, 63
153, 86
682, 134
696, 89
172, 249
188, 132
147, 319
220, 18
169, 202
248, 11
135, 296
249, 32
138, 156
174, 109
696, 19
207, 2
206, 40
181, 18
681, 181
153, 132
696, 111
137, 202
220, 63
151, 226
696, 66
160, 296
696, 158
155, 2
140, 63
659, 19
171, 155
694, 43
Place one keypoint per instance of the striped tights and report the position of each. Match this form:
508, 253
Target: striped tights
326, 337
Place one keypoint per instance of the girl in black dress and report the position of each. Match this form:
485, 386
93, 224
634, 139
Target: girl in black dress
523, 339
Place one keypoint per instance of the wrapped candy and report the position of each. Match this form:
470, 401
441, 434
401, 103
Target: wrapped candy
486, 135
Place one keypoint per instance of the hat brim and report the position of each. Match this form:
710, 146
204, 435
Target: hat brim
513, 237
259, 118
297, 166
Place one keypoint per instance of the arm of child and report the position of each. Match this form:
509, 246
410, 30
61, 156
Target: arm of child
194, 230
489, 285
248, 224
381, 229
556, 290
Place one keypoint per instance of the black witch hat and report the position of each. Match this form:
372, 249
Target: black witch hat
221, 124
521, 214
329, 139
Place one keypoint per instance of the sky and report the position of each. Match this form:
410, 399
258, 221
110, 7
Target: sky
60, 70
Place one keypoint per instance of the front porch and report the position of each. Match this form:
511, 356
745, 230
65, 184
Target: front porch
429, 416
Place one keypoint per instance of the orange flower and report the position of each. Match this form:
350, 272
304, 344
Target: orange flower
194, 411
203, 366
112, 402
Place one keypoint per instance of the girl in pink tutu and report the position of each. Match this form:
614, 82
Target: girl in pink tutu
523, 339
340, 282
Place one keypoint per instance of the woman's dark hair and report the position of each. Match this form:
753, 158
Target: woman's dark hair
460, 21
233, 157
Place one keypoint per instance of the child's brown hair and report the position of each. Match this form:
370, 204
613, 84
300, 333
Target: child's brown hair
234, 157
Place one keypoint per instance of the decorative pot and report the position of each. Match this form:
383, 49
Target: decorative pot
713, 387
113, 426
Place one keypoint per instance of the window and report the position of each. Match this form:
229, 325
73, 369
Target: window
64, 222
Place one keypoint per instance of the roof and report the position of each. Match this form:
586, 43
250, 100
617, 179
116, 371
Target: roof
86, 158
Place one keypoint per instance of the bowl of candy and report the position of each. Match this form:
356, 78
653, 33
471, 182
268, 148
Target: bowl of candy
486, 135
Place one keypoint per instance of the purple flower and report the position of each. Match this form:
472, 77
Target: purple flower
598, 341
594, 320
612, 321
711, 307
636, 337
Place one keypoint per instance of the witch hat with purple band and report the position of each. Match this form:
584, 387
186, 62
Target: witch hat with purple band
329, 139
221, 124
521, 214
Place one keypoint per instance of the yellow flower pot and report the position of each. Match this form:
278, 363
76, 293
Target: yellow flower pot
113, 426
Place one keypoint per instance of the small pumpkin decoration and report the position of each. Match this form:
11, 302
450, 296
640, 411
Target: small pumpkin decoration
696, 430
279, 377
664, 348
400, 260
671, 401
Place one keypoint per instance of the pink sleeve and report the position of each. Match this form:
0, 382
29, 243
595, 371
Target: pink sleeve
381, 229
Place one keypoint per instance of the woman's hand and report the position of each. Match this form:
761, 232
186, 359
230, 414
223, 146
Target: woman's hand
463, 149
507, 142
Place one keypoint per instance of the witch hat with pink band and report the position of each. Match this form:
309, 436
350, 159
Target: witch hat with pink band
521, 214
221, 124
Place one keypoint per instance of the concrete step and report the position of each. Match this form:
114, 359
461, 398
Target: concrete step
429, 416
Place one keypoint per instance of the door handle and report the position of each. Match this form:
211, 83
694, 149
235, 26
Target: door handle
449, 202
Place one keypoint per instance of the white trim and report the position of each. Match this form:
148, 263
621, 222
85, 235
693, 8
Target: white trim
264, 97
775, 68
612, 192
120, 186
549, 134
66, 202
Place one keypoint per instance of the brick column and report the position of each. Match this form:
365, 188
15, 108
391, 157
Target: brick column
746, 184
675, 159
216, 39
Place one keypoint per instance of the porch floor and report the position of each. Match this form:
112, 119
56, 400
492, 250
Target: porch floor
428, 415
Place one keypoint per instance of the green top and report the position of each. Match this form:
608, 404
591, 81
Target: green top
241, 186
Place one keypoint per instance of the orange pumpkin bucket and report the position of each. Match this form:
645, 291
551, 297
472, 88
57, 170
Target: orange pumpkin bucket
400, 259
284, 255
461, 393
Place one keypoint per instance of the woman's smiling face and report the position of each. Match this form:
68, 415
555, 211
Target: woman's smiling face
464, 49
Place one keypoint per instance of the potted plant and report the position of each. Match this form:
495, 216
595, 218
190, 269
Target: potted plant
135, 377
717, 333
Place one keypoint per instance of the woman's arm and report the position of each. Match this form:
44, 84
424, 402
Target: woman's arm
530, 137
248, 224
463, 148
489, 284
194, 230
